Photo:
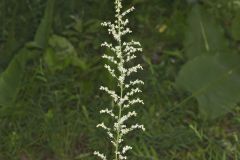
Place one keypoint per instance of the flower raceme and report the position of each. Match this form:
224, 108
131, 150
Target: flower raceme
126, 95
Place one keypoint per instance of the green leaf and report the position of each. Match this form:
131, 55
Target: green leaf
214, 81
203, 34
44, 29
10, 79
62, 54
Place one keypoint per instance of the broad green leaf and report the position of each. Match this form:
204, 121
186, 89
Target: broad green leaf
203, 34
10, 79
44, 29
214, 81
61, 54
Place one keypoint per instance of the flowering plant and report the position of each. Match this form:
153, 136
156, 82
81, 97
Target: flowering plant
125, 97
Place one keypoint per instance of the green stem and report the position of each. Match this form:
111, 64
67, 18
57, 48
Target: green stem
121, 90
118, 129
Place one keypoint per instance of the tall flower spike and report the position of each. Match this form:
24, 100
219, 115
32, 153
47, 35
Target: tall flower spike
126, 94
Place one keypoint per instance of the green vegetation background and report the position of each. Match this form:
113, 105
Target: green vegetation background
51, 69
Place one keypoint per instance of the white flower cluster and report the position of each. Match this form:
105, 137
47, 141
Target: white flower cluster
102, 156
122, 53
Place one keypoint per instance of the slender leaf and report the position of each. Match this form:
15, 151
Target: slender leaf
44, 29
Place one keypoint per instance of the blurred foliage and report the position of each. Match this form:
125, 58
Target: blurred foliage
203, 35
212, 74
50, 72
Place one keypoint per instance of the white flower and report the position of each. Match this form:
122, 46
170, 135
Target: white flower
128, 11
110, 70
102, 156
125, 95
110, 92
110, 134
126, 117
108, 111
103, 126
133, 127
126, 148
133, 91
134, 69
134, 101
125, 22
110, 58
127, 30
122, 157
